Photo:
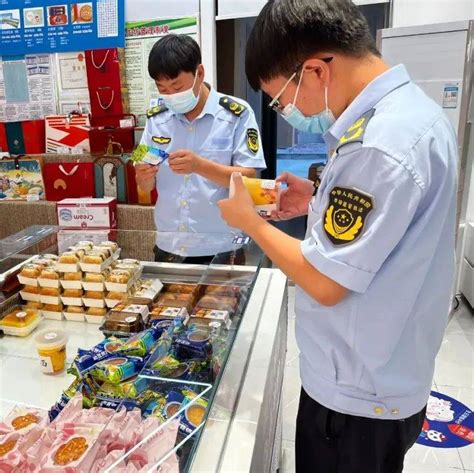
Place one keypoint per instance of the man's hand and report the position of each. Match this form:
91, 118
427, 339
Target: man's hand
184, 161
145, 175
239, 210
294, 200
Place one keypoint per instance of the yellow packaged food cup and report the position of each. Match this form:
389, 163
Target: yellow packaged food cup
265, 194
51, 346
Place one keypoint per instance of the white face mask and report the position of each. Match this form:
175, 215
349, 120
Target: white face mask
182, 102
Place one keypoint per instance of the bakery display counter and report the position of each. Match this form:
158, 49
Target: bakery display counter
192, 356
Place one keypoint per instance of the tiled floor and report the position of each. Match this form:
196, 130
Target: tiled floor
454, 376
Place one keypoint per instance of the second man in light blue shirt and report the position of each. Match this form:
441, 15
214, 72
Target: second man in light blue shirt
208, 136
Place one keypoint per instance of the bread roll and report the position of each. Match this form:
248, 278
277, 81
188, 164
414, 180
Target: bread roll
32, 289
94, 295
119, 276
96, 311
31, 271
119, 296
49, 274
69, 258
72, 293
49, 291
72, 276
93, 277
74, 310
53, 307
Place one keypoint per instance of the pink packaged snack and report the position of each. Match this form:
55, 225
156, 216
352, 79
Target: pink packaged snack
13, 448
73, 450
22, 419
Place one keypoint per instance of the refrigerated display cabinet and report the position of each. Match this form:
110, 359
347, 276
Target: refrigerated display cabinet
242, 428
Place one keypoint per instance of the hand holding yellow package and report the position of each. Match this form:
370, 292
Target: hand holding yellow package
265, 194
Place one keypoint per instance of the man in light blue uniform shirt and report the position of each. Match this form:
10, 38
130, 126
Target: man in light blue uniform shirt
375, 272
208, 135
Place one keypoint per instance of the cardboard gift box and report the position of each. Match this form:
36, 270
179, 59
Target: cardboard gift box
87, 213
67, 132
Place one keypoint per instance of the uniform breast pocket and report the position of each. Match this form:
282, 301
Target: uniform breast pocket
221, 156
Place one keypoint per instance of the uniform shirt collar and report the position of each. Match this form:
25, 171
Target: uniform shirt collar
367, 99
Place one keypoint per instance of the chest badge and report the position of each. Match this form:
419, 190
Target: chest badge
252, 140
346, 214
161, 140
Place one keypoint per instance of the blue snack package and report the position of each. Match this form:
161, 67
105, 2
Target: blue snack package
139, 344
117, 369
194, 344
86, 359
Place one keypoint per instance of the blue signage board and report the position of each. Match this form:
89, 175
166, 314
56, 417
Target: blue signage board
53, 26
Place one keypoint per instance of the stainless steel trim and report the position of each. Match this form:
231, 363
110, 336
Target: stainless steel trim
239, 393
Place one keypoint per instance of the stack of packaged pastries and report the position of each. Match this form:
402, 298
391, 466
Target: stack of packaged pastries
72, 285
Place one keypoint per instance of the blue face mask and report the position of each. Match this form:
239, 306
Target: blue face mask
318, 123
182, 102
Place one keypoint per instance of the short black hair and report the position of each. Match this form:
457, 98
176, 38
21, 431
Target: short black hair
287, 32
172, 55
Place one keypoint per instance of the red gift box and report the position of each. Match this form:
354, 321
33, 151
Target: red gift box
26, 137
69, 180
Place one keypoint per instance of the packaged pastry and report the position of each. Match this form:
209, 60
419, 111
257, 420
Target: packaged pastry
132, 309
147, 292
226, 303
122, 324
160, 312
29, 274
71, 449
110, 244
117, 369
120, 280
30, 293
50, 295
52, 311
94, 257
74, 313
51, 346
113, 298
208, 316
175, 300
68, 262
22, 419
32, 289
120, 276
50, 257
95, 281
265, 194
76, 276
94, 299
49, 277
129, 262
86, 244
179, 288
95, 315
94, 277
72, 297
69, 257
224, 290
20, 322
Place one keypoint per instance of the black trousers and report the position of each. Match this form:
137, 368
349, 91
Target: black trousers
228, 257
331, 442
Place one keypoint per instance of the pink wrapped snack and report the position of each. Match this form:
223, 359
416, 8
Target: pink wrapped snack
22, 420
130, 432
73, 450
13, 448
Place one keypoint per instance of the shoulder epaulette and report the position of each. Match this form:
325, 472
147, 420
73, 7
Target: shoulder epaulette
151, 112
232, 106
355, 133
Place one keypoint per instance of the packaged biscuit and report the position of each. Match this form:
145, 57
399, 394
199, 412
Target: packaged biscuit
130, 389
117, 369
105, 349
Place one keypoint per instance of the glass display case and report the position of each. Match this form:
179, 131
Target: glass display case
224, 413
